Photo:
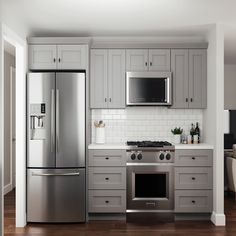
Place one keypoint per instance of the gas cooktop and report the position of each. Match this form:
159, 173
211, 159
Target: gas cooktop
146, 144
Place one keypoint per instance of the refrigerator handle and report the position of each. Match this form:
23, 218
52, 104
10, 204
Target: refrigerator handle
58, 174
57, 120
52, 118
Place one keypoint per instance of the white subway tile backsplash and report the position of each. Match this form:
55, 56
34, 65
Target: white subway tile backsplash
144, 123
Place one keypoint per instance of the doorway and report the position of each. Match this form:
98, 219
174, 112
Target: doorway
9, 134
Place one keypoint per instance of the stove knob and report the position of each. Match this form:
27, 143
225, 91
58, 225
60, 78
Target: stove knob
168, 156
139, 156
161, 156
133, 156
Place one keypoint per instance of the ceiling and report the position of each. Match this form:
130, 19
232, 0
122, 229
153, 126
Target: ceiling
123, 18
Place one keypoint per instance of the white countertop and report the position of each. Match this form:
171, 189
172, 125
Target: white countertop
124, 146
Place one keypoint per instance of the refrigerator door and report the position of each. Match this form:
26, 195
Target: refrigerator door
41, 120
56, 196
70, 120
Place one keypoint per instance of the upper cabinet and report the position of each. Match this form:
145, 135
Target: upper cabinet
189, 74
148, 60
62, 57
107, 78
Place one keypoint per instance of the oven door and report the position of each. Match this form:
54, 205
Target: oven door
150, 187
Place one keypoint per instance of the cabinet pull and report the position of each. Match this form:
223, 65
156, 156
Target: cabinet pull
191, 100
146, 63
186, 99
106, 201
106, 178
150, 63
59, 59
193, 178
54, 60
107, 158
193, 201
110, 99
105, 100
193, 158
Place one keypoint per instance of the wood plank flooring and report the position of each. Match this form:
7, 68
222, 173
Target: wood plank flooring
121, 228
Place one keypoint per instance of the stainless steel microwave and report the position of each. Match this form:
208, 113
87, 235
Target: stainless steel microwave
148, 88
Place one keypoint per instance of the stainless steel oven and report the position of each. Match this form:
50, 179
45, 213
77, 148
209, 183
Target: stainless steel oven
150, 180
148, 88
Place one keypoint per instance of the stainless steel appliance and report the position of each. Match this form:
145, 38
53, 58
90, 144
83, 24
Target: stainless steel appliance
150, 170
56, 147
148, 88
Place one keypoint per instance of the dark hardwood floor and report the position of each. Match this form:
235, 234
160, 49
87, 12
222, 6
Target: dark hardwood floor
119, 228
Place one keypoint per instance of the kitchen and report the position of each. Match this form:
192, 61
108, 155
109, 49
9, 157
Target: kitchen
117, 118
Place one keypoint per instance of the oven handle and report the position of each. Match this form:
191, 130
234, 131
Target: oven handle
150, 164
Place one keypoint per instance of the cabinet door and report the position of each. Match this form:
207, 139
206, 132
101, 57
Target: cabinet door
136, 60
197, 78
72, 56
116, 78
98, 79
179, 68
42, 57
159, 60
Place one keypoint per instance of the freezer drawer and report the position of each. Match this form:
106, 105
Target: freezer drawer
56, 195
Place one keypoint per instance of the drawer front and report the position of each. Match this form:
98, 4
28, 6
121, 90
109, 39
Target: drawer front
193, 178
193, 157
193, 201
107, 201
107, 158
107, 178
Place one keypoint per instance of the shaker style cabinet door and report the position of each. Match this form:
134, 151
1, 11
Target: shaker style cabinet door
42, 57
179, 69
159, 60
137, 60
116, 78
197, 78
71, 57
98, 79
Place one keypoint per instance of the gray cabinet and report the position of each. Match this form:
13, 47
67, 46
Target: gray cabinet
107, 84
62, 57
189, 73
107, 181
193, 181
148, 60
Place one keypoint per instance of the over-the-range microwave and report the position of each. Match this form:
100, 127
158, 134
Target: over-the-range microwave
148, 88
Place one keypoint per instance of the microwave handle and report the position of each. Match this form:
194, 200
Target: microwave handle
167, 85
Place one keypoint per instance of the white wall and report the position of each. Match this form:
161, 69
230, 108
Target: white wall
230, 87
213, 118
9, 61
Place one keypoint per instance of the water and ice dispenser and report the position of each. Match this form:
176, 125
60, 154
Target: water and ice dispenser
38, 121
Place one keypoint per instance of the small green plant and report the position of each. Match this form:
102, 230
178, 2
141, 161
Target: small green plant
177, 130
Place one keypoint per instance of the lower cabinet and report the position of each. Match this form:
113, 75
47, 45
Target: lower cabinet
193, 181
107, 181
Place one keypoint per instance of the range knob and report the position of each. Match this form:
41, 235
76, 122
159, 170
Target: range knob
133, 156
139, 156
168, 156
161, 156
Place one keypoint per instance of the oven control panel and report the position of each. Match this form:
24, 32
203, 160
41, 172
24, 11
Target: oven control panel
137, 156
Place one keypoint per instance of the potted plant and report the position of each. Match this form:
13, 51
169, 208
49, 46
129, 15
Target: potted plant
177, 134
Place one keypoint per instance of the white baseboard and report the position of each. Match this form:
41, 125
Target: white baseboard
218, 219
7, 188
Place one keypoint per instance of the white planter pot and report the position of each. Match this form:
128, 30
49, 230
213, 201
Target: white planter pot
100, 135
177, 138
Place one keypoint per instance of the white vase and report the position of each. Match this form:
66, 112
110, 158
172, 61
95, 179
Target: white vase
177, 138
100, 135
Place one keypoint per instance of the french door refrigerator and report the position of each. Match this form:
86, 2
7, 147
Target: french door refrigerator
56, 147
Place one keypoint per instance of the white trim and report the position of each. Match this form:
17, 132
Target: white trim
218, 219
7, 188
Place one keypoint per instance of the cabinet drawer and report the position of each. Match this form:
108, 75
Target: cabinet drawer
107, 158
193, 201
193, 158
107, 201
193, 178
107, 178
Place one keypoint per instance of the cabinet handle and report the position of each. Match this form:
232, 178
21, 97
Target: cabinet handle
106, 178
110, 99
193, 201
106, 201
146, 63
150, 63
186, 99
193, 158
105, 100
193, 178
107, 158
54, 60
191, 100
59, 60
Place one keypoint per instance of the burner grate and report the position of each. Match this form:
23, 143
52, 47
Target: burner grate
148, 143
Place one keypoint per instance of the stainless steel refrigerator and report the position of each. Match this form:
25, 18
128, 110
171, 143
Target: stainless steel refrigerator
56, 147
